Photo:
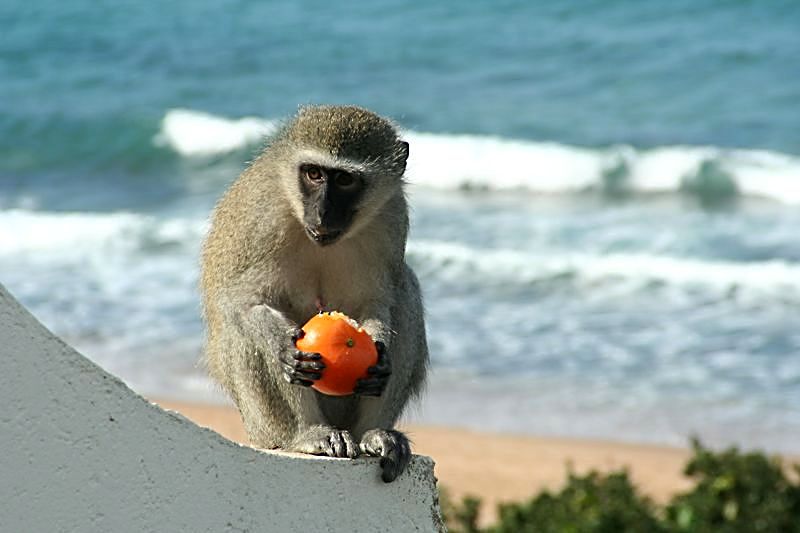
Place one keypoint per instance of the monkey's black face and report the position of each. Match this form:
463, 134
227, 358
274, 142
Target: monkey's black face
330, 199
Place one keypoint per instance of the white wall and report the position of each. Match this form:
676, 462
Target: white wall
79, 451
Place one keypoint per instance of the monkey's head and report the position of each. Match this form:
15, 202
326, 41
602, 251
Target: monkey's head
340, 165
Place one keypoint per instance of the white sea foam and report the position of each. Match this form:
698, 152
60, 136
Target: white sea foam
194, 133
473, 161
450, 162
459, 261
71, 234
26, 231
457, 161
125, 238
93, 277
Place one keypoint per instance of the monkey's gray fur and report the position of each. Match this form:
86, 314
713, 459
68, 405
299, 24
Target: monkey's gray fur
278, 250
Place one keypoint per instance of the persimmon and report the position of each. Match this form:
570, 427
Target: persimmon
346, 349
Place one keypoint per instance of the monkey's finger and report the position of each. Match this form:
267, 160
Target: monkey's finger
286, 358
379, 372
372, 381
306, 356
308, 365
290, 357
374, 392
307, 376
294, 380
381, 347
384, 364
297, 334
370, 387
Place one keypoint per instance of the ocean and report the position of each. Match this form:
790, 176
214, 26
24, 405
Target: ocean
605, 195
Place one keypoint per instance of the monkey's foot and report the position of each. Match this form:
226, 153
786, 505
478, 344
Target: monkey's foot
300, 368
324, 440
392, 447
378, 375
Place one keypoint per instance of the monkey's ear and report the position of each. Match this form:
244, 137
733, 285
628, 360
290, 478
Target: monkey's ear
404, 152
404, 148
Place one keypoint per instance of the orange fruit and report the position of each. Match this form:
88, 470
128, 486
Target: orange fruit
347, 351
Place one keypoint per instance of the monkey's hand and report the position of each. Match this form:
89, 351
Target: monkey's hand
300, 368
392, 447
378, 375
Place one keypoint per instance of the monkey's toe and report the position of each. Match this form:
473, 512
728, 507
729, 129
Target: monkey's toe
324, 440
392, 447
342, 444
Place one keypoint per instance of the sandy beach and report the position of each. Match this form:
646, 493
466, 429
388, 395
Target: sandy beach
498, 467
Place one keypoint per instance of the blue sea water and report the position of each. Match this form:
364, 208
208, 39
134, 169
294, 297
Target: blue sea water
606, 195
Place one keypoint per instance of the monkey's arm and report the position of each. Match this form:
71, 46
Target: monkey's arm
376, 320
272, 333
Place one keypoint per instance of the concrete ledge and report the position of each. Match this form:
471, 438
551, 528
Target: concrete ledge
79, 451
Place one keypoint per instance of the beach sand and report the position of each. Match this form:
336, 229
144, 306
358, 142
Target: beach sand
498, 467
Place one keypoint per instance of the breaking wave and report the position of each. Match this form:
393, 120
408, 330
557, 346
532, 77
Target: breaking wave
452, 162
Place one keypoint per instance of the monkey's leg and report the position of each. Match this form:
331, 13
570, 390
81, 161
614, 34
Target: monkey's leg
277, 414
408, 354
266, 415
381, 402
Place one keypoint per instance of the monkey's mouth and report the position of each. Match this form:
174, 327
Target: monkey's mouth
323, 237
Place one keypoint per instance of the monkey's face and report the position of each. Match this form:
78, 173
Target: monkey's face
330, 199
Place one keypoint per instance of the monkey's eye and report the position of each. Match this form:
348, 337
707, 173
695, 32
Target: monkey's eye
345, 180
314, 173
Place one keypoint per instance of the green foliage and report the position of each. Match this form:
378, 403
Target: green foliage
591, 503
461, 517
734, 492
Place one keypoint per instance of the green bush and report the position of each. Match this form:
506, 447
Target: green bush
592, 503
734, 492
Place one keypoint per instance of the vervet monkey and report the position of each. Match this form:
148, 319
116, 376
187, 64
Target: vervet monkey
318, 221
